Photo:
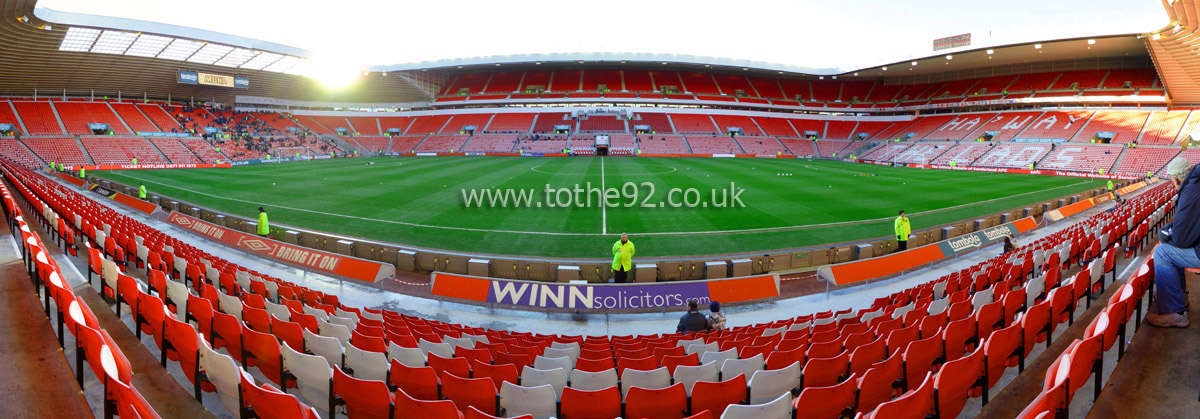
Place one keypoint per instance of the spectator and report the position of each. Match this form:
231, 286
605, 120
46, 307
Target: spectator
692, 321
1180, 248
716, 319
1009, 244
264, 228
622, 251
903, 230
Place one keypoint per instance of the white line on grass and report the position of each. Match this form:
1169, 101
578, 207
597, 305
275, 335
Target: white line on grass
603, 208
547, 233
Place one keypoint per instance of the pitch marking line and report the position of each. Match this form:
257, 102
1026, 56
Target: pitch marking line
546, 233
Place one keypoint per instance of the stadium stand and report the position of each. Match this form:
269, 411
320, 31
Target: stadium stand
443, 143
204, 150
1192, 155
38, 118
1079, 80
637, 81
804, 126
693, 124
400, 123
13, 150
923, 153
1138, 161
960, 127
602, 123
491, 143
517, 123
923, 127
406, 144
1126, 125
326, 125
120, 150
828, 148
778, 127
659, 123
372, 144
164, 121
543, 145
1163, 127
1004, 125
1082, 158
57, 150
720, 144
1137, 78
546, 121
963, 153
565, 81
465, 84
840, 130
280, 121
602, 80
762, 146
175, 151
76, 116
1015, 155
457, 123
662, 144
800, 147
724, 122
9, 116
1055, 125
134, 118
365, 125
886, 151
894, 131
504, 82
427, 124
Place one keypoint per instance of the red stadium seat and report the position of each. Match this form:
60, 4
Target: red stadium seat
467, 392
497, 373
421, 383
915, 404
826, 402
363, 398
878, 383
714, 397
824, 372
410, 408
954, 381
598, 404
667, 403
457, 366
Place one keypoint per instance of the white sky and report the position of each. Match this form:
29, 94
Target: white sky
842, 34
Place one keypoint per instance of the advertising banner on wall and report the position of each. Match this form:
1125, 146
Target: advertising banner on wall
331, 263
603, 297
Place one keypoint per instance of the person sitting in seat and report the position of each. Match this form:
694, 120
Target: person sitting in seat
692, 321
1180, 248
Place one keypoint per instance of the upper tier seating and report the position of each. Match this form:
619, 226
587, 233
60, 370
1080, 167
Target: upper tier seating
39, 118
121, 150
661, 144
504, 82
1137, 78
841, 130
427, 124
731, 84
365, 125
491, 143
443, 143
1056, 125
456, 124
278, 120
712, 145
658, 122
9, 116
602, 123
724, 122
827, 148
469, 83
57, 150
536, 78
204, 150
164, 121
134, 118
924, 127
395, 122
1164, 127
1006, 124
1125, 124
77, 115
693, 124
1138, 161
762, 146
565, 81
1082, 158
1016, 155
1192, 155
637, 81
546, 122
175, 151
960, 127
963, 154
517, 123
1087, 79
327, 125
594, 79
778, 127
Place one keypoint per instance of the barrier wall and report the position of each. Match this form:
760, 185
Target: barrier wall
603, 297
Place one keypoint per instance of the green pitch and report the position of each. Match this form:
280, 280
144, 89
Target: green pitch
419, 201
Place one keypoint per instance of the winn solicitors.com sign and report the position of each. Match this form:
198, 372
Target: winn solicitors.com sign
603, 297
330, 263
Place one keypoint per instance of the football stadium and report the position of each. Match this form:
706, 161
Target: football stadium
914, 209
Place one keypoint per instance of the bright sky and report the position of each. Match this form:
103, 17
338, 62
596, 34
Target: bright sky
841, 34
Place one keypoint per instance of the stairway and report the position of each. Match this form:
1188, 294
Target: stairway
160, 152
79, 143
685, 141
61, 125
31, 153
735, 142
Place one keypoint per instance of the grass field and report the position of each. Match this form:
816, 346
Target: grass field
419, 201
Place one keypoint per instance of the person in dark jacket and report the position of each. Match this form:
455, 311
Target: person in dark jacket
1180, 248
692, 321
